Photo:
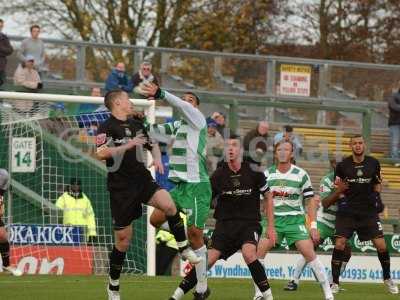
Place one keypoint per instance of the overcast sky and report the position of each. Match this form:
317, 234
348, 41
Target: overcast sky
11, 27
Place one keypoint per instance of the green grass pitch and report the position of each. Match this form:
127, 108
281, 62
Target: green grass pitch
41, 287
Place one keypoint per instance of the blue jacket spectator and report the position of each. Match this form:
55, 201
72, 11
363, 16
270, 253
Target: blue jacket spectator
118, 79
288, 135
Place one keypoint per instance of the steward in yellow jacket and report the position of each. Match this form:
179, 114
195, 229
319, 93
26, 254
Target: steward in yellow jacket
77, 209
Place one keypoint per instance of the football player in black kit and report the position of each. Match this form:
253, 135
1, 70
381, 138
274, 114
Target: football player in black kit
358, 209
237, 189
119, 141
4, 244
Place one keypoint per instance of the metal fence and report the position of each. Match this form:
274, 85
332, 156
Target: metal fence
218, 71
81, 65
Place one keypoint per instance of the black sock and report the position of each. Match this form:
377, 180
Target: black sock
177, 227
116, 263
5, 253
384, 259
259, 277
345, 259
346, 253
189, 281
336, 264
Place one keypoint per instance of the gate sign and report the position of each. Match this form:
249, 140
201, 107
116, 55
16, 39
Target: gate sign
295, 80
23, 155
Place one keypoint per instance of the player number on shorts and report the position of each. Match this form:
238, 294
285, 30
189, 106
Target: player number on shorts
303, 229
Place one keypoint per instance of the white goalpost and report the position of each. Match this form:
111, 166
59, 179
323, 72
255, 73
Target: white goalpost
44, 143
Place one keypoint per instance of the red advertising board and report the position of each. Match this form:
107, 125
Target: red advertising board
60, 260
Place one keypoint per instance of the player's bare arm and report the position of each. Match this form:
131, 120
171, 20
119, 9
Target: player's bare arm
341, 187
269, 213
378, 188
156, 154
312, 207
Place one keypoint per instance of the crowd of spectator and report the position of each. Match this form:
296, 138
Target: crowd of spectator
32, 67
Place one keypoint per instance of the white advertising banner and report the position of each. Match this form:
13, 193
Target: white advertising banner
281, 266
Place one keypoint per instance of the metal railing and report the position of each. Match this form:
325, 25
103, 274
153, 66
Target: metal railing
231, 69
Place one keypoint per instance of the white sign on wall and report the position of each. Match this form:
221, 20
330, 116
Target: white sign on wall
23, 155
295, 80
281, 266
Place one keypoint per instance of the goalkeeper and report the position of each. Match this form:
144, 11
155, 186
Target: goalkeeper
4, 244
192, 193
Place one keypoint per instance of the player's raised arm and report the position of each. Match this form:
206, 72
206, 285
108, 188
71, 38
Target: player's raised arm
190, 113
163, 133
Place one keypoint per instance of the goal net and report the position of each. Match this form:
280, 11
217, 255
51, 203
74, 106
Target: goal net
44, 143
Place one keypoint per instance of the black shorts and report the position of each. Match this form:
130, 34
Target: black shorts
229, 236
126, 204
2, 223
366, 227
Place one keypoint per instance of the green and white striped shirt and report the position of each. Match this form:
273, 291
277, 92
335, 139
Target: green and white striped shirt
188, 136
327, 216
289, 190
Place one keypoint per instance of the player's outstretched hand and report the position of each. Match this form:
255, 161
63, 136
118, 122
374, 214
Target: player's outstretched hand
315, 237
151, 90
271, 234
158, 166
138, 140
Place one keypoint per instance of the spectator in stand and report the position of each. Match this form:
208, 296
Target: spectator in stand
394, 124
77, 209
219, 118
118, 79
289, 136
87, 108
26, 78
256, 143
215, 146
5, 50
96, 92
143, 76
34, 46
